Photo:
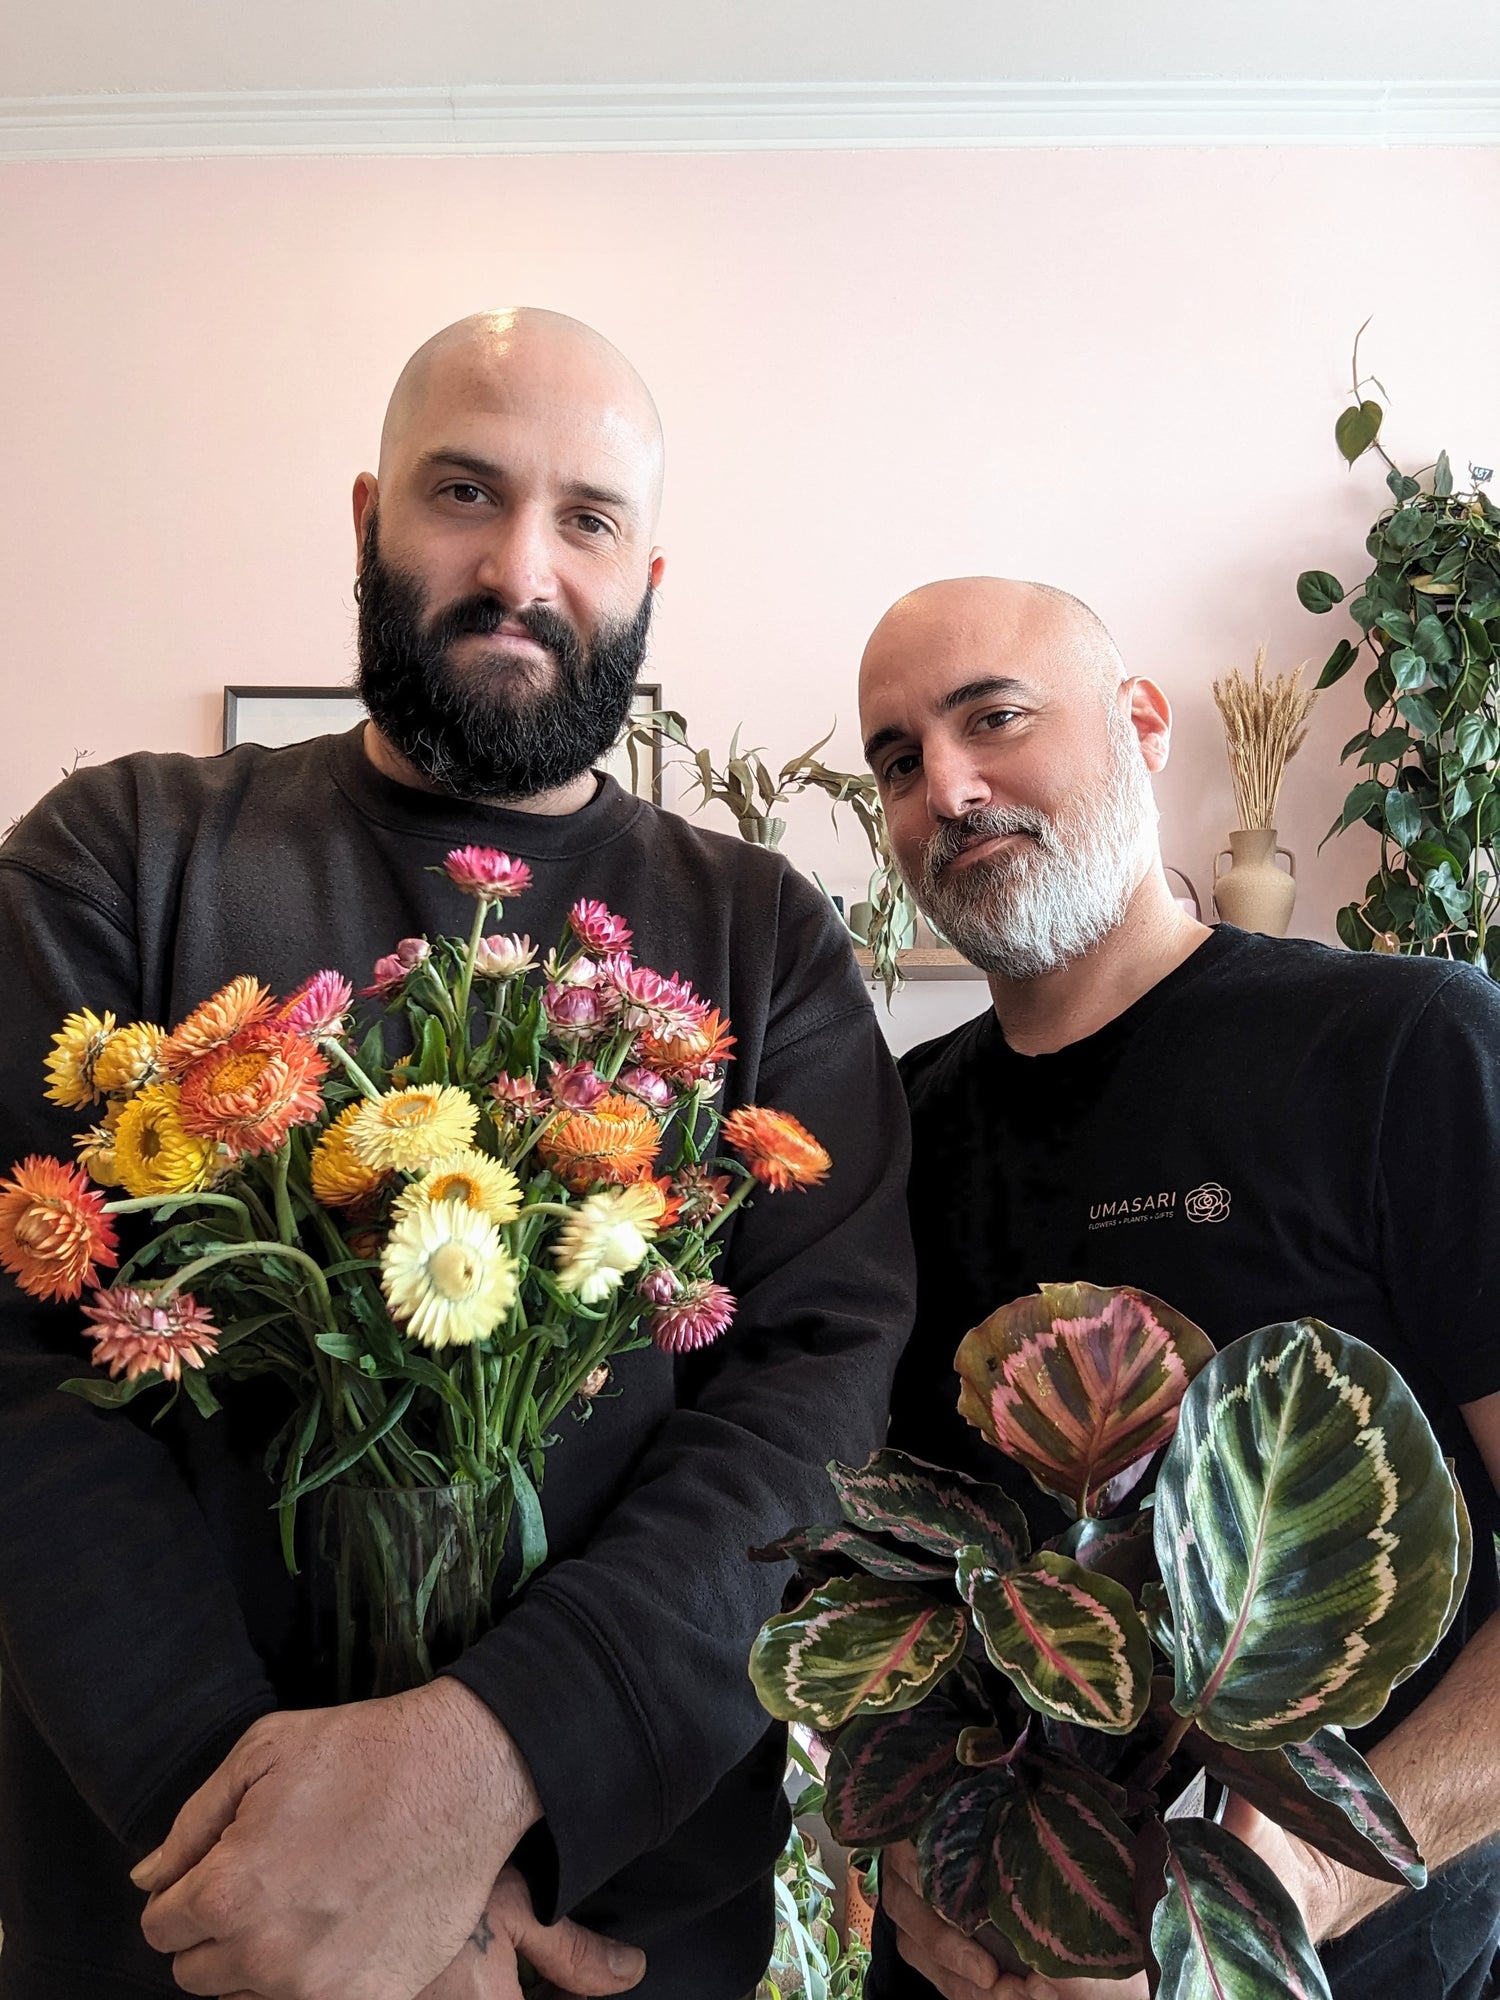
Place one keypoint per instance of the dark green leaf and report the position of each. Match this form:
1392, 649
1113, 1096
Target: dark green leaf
940, 1511
529, 1519
1389, 747
354, 1451
198, 1393
1318, 591
1407, 529
1402, 817
1123, 1547
107, 1395
1476, 739
1078, 1383
955, 1853
1065, 1878
1378, 688
1408, 669
855, 1644
1306, 1533
1480, 645
887, 1772
1338, 663
432, 1064
1069, 1638
1353, 932
1432, 639
836, 1539
1420, 713
1402, 485
1442, 476
1357, 429
1362, 800
1326, 1794
1225, 1926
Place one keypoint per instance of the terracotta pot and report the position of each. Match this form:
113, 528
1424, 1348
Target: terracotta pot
1253, 893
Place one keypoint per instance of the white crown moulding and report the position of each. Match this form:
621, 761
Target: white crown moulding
655, 118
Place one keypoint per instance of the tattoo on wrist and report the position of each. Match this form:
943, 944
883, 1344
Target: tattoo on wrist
482, 1937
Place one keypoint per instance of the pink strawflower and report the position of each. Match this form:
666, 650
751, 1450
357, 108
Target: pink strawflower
577, 1010
579, 971
598, 927
521, 1096
659, 1287
700, 1193
667, 1006
577, 1085
649, 1088
136, 1331
486, 873
318, 1007
503, 957
699, 1316
392, 972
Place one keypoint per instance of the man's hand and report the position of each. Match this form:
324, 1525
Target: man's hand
961, 1969
573, 1959
340, 1853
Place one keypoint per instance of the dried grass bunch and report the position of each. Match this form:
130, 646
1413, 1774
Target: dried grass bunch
1265, 722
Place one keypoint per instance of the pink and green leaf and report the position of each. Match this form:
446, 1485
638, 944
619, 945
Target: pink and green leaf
1325, 1793
1071, 1640
1225, 1928
1307, 1535
931, 1509
1122, 1547
808, 1548
887, 1772
1079, 1383
856, 1644
955, 1855
1065, 1879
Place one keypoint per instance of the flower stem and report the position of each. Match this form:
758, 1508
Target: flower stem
745, 1188
286, 1221
153, 1202
466, 983
227, 1255
342, 1056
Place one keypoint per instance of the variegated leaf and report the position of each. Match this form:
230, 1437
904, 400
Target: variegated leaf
1465, 1554
1225, 1929
855, 1643
1071, 1641
1065, 1879
1122, 1547
932, 1509
955, 1856
1307, 1536
1325, 1793
1079, 1383
980, 1745
806, 1547
887, 1772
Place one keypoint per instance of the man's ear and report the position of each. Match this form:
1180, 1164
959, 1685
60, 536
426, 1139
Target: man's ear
366, 489
656, 569
1151, 718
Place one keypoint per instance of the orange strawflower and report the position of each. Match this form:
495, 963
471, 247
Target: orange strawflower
687, 1056
136, 1332
53, 1229
616, 1143
340, 1178
243, 1003
778, 1150
249, 1091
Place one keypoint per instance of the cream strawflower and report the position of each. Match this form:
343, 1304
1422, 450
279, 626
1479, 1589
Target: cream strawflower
413, 1129
605, 1238
484, 1184
446, 1275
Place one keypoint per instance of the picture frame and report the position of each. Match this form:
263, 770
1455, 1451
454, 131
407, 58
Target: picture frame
277, 716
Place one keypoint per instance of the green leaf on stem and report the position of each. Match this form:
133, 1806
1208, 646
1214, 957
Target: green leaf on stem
105, 1394
528, 1518
1357, 429
1225, 1926
1064, 1877
1069, 1638
1338, 663
1317, 590
1402, 817
836, 1539
1078, 1383
1307, 1537
856, 1644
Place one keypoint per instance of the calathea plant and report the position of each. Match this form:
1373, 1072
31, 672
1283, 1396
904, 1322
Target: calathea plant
1429, 618
1027, 1715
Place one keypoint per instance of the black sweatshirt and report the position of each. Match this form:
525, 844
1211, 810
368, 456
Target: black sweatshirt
145, 1617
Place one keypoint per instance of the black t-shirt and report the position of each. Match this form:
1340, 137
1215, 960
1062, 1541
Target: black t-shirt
1275, 1130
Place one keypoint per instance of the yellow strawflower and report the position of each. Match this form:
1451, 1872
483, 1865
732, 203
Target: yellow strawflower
474, 1178
339, 1177
76, 1049
410, 1130
154, 1152
446, 1275
96, 1149
131, 1060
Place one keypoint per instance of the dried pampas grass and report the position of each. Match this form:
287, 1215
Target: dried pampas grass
1265, 722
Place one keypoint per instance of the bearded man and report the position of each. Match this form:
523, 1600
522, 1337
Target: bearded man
1253, 1130
593, 1779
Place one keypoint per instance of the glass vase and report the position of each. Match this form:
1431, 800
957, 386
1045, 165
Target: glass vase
407, 1575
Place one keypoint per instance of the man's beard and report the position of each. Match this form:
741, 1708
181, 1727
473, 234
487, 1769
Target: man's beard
472, 730
1034, 908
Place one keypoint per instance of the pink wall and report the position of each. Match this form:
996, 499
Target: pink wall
1117, 371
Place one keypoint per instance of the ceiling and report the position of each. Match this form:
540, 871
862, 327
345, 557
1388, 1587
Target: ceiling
72, 47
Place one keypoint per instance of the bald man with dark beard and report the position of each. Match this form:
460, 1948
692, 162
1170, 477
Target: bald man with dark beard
592, 1785
1252, 1129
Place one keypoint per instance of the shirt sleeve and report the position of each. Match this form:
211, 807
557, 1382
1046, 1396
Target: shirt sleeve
621, 1674
1438, 1184
119, 1629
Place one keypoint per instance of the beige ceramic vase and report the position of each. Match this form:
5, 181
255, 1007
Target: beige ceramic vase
1254, 894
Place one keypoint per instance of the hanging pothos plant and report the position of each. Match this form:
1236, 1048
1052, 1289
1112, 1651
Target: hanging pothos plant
1054, 1727
1429, 616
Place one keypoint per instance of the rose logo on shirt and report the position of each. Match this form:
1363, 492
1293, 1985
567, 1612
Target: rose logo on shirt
1209, 1203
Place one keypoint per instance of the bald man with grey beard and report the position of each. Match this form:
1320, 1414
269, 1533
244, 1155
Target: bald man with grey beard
1222, 1120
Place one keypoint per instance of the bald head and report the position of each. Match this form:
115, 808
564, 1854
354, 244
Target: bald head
527, 360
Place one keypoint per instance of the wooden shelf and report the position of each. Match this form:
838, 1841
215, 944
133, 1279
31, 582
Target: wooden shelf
925, 962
